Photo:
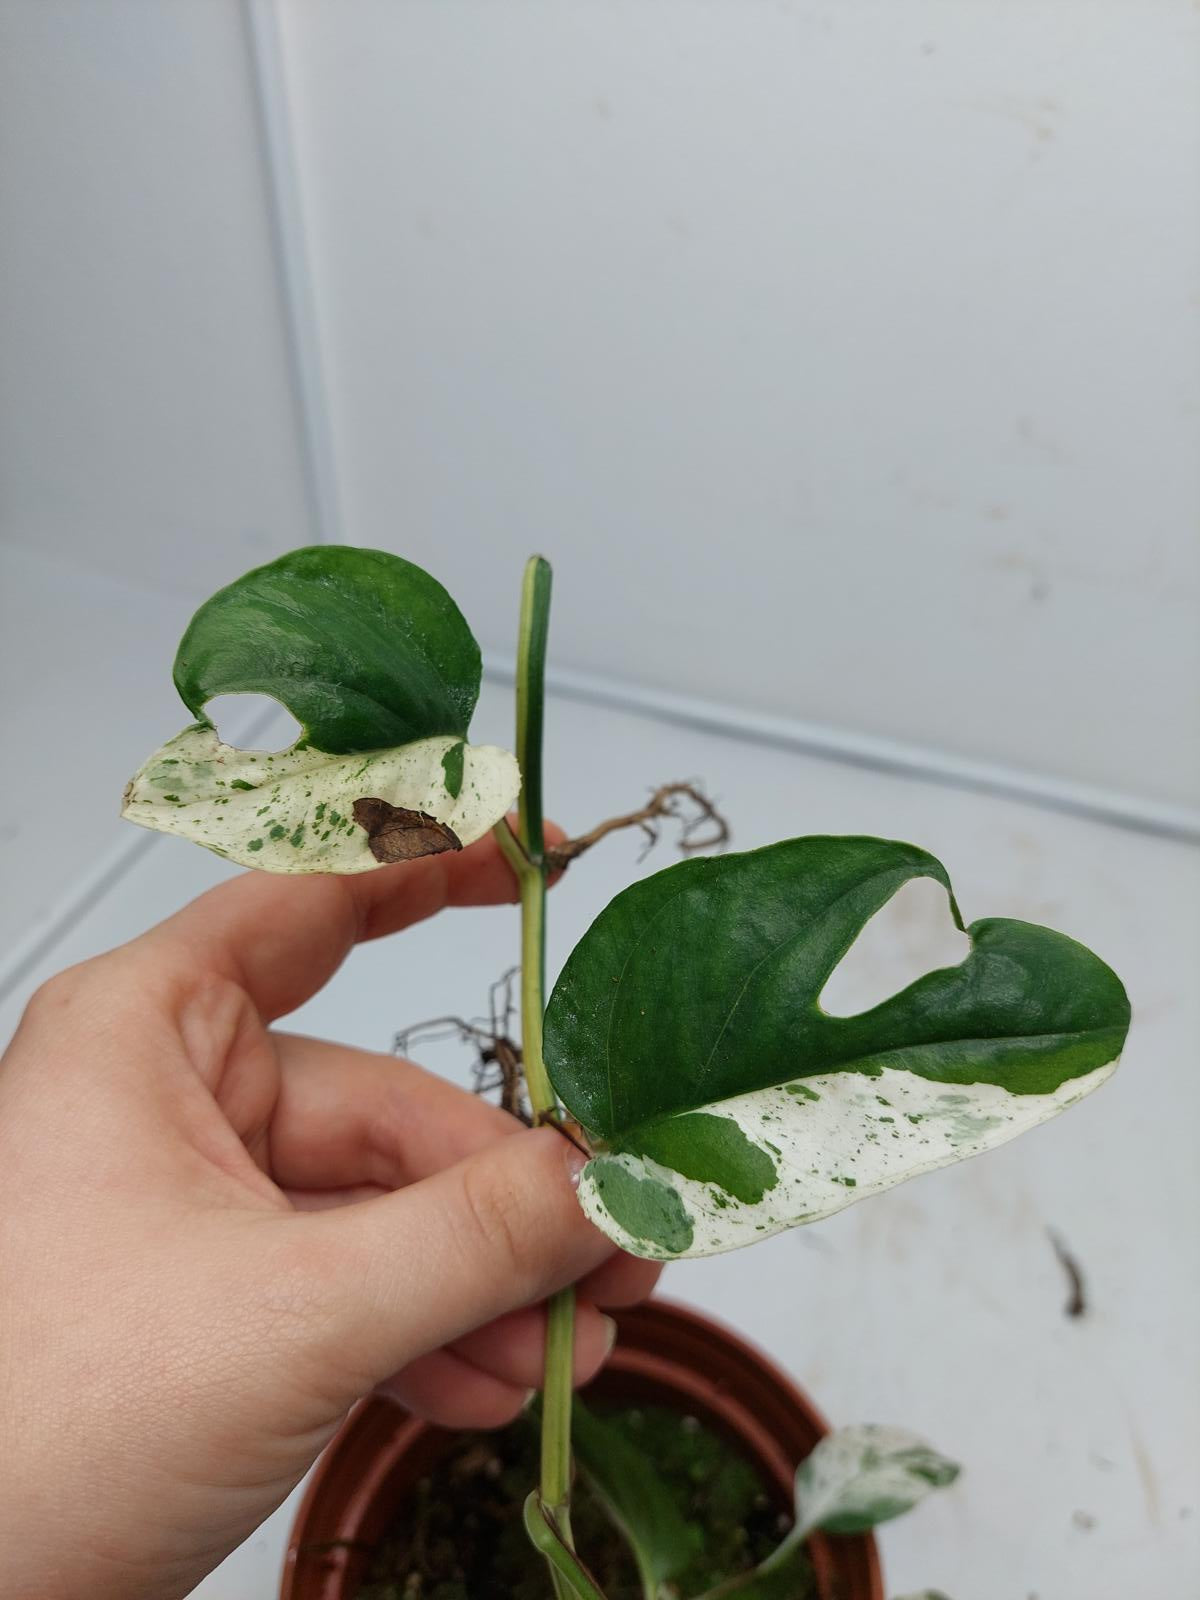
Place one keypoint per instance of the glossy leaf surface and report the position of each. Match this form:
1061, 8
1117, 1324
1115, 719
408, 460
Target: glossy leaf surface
685, 1033
366, 650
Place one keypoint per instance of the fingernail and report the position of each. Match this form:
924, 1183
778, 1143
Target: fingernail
530, 1396
610, 1335
576, 1160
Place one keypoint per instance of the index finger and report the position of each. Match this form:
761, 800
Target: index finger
282, 938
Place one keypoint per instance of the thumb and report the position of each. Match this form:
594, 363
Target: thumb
405, 1273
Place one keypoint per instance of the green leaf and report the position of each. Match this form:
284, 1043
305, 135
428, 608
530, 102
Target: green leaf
295, 811
855, 1479
685, 1033
367, 651
662, 1540
861, 1476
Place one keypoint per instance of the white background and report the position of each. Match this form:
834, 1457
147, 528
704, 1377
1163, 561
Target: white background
844, 359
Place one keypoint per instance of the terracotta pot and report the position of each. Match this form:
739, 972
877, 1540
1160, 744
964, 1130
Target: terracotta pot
665, 1355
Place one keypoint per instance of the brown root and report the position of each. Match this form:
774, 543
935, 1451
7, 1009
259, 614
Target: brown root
703, 826
498, 1062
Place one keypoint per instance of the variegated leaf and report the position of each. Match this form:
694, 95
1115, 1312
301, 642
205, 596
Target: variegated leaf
377, 664
294, 811
861, 1476
686, 1035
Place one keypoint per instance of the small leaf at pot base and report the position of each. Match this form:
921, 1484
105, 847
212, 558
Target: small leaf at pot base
396, 834
294, 811
627, 1481
858, 1477
685, 1033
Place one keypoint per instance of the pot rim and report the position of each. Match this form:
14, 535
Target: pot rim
644, 1318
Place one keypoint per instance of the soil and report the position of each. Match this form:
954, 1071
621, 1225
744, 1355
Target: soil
459, 1536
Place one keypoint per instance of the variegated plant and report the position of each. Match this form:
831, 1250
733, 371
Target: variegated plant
375, 661
685, 1034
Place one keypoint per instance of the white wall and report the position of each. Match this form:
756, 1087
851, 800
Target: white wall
147, 427
842, 356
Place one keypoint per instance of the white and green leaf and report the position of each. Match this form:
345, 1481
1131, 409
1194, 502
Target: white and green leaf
294, 811
375, 661
860, 1476
853, 1480
686, 1035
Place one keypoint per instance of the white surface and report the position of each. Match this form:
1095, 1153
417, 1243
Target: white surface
938, 1306
146, 420
845, 356
80, 714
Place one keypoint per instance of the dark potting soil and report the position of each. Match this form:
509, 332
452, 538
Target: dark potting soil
460, 1536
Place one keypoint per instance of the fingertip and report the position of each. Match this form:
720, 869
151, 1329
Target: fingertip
452, 1393
622, 1280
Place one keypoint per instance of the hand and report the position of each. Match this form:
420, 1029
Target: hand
214, 1237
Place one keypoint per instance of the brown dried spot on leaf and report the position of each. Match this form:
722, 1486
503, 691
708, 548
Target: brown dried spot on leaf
396, 834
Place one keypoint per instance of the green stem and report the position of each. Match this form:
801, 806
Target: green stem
572, 1578
526, 855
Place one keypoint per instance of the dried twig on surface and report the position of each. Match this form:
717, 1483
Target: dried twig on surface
1077, 1304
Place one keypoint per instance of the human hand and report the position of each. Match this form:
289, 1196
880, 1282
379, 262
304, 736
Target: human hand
214, 1237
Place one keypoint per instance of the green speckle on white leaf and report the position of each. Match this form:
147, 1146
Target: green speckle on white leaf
686, 1033
214, 807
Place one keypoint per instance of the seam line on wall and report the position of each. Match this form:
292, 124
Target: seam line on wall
289, 243
1179, 823
873, 752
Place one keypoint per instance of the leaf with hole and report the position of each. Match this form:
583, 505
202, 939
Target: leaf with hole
366, 650
373, 658
685, 1034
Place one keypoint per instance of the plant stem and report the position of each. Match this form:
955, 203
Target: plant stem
527, 857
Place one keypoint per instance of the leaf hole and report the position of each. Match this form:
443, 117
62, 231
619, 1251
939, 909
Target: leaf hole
252, 722
911, 935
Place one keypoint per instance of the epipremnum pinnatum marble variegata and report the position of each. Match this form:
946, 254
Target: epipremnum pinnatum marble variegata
375, 661
686, 1035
